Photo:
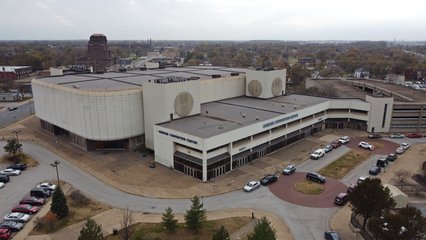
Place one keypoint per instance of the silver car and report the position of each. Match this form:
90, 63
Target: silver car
10, 172
17, 217
250, 186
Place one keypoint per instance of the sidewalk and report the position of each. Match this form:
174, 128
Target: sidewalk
411, 161
111, 219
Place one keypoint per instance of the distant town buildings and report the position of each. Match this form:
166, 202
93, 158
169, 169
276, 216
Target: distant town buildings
10, 73
362, 73
98, 57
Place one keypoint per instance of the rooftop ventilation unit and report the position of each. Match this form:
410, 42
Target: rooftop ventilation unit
76, 86
235, 74
216, 75
220, 126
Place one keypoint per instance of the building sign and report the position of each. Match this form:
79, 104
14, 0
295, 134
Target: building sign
178, 137
280, 120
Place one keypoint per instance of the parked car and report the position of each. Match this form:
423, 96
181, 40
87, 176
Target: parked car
366, 145
382, 162
341, 198
414, 135
5, 234
317, 154
17, 217
12, 108
375, 170
330, 235
374, 135
26, 208
361, 179
4, 178
315, 177
12, 226
250, 186
397, 135
400, 150
335, 144
328, 148
33, 201
10, 172
289, 169
2, 184
40, 192
351, 187
405, 146
268, 179
18, 166
392, 157
344, 139
47, 186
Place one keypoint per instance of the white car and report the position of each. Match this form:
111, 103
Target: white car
10, 172
405, 146
344, 139
17, 217
366, 145
1, 184
48, 186
361, 179
317, 154
289, 170
400, 150
250, 186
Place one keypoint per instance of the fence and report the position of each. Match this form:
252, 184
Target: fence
411, 188
357, 224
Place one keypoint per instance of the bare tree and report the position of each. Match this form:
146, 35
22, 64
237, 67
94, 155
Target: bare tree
402, 174
126, 224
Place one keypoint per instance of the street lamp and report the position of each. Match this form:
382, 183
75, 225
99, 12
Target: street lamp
16, 133
55, 165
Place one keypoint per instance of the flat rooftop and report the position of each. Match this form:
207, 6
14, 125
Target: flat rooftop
114, 81
230, 114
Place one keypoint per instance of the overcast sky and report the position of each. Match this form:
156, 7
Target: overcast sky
214, 19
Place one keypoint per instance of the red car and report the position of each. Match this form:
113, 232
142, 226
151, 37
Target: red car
414, 135
335, 144
5, 233
26, 208
33, 201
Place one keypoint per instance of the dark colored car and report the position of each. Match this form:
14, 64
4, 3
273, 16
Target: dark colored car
341, 198
414, 135
33, 201
330, 235
40, 192
335, 144
18, 166
12, 226
5, 233
374, 135
392, 157
4, 178
26, 208
315, 177
375, 170
382, 162
268, 179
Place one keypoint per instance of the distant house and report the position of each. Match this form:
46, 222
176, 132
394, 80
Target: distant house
10, 96
11, 73
362, 73
395, 78
412, 74
306, 61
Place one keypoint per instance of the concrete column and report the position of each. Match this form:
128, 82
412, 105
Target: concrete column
204, 166
230, 154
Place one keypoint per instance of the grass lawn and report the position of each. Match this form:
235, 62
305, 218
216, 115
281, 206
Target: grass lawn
78, 211
154, 231
309, 187
344, 164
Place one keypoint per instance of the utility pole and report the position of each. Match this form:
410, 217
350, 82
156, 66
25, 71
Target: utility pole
55, 165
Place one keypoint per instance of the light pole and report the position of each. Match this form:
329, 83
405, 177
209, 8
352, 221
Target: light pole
16, 133
55, 165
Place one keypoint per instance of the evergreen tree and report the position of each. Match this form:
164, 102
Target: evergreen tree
59, 203
91, 231
263, 231
196, 216
13, 146
169, 222
221, 234
370, 199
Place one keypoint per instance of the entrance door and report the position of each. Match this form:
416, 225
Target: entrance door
189, 171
